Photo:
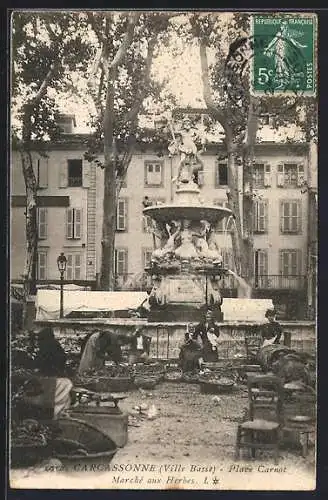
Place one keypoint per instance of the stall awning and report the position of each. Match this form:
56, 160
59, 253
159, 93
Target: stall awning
245, 309
48, 302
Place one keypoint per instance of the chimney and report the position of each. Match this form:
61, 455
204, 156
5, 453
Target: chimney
66, 123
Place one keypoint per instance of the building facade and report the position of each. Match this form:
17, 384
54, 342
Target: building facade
70, 199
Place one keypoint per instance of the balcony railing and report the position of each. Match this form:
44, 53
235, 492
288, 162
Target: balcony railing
142, 282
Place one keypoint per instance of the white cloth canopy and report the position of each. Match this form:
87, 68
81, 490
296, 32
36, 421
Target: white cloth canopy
48, 302
245, 309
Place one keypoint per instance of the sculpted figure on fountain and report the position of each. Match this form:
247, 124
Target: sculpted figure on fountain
190, 164
173, 231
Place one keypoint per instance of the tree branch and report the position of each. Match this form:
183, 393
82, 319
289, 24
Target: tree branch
127, 39
43, 87
252, 123
97, 31
217, 113
133, 113
92, 82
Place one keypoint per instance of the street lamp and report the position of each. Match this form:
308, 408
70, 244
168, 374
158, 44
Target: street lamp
61, 263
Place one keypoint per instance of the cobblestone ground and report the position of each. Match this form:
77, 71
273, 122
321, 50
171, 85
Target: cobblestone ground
191, 428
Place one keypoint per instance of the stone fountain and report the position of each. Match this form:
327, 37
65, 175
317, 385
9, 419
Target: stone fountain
186, 264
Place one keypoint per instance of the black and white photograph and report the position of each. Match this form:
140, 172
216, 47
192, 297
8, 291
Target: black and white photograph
163, 249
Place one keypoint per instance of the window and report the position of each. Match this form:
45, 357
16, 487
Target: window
260, 216
42, 172
290, 175
221, 175
261, 176
75, 173
121, 262
221, 225
258, 176
73, 223
42, 216
42, 266
122, 214
290, 262
73, 267
261, 268
154, 173
290, 217
146, 257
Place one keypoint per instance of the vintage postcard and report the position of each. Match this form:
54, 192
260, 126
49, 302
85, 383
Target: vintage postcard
163, 291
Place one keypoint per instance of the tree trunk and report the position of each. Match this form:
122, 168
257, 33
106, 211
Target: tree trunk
107, 278
248, 224
30, 225
239, 244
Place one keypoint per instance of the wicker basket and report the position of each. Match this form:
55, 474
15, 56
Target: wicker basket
146, 382
173, 376
86, 436
209, 387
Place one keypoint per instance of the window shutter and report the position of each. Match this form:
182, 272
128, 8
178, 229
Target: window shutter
300, 175
121, 264
42, 214
42, 265
77, 266
261, 216
255, 216
69, 267
284, 216
263, 262
121, 215
63, 174
267, 176
43, 172
299, 216
216, 175
299, 262
69, 223
86, 173
77, 223
281, 262
280, 175
266, 215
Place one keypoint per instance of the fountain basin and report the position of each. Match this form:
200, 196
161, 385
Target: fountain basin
165, 213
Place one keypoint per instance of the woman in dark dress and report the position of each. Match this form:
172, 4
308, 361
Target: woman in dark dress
190, 352
51, 358
271, 332
209, 332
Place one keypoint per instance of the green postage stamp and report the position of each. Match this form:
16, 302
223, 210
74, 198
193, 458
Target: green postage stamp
284, 59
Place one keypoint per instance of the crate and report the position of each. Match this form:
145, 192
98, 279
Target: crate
111, 421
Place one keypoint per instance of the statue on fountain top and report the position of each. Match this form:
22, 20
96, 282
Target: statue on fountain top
184, 142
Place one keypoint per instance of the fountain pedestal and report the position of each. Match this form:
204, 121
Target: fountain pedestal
187, 265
